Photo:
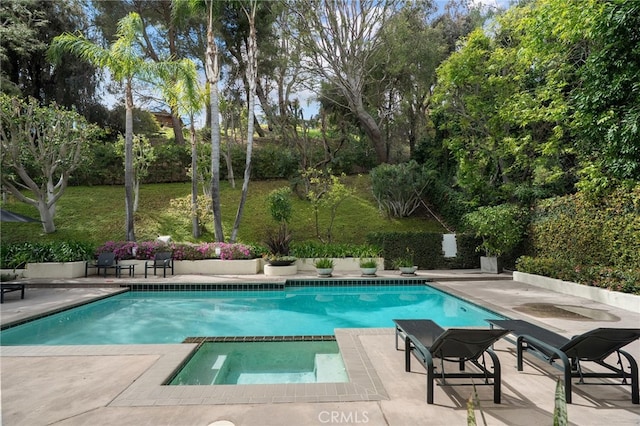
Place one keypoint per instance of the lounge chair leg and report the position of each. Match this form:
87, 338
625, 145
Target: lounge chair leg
520, 349
633, 366
407, 354
430, 378
567, 378
497, 377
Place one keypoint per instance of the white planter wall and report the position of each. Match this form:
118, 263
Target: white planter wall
55, 270
217, 267
626, 301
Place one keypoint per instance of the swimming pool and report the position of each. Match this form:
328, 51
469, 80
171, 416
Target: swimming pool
141, 317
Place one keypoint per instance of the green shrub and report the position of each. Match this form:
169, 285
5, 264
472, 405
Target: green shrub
398, 188
280, 205
171, 164
272, 162
623, 280
501, 227
312, 249
19, 254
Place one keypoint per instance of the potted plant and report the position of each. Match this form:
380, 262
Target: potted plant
278, 242
405, 263
368, 267
501, 229
324, 266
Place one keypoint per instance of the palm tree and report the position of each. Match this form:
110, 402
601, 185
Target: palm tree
123, 61
212, 71
185, 96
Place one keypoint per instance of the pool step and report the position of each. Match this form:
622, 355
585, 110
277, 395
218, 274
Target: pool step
329, 368
217, 366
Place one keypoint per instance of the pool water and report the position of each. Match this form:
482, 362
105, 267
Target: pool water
138, 317
242, 363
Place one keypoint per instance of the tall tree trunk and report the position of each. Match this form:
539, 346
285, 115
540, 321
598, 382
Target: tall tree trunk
176, 123
136, 194
46, 217
256, 125
372, 130
213, 75
252, 62
128, 162
195, 224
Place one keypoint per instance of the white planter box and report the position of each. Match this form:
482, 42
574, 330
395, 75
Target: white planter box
490, 265
217, 267
339, 264
630, 302
270, 270
55, 270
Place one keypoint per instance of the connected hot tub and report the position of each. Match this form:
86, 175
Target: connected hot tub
263, 362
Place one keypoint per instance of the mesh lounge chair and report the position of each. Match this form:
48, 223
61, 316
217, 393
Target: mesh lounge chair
427, 340
593, 346
162, 260
105, 261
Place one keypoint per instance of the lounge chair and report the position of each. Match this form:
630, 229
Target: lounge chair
427, 340
106, 260
593, 346
162, 260
9, 287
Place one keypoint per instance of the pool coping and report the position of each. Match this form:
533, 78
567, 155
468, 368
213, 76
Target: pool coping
149, 390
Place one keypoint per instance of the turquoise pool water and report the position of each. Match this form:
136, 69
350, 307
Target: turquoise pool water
169, 317
243, 363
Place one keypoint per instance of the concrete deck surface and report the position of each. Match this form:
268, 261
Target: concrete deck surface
118, 385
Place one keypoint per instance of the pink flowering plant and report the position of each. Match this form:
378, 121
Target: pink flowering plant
146, 250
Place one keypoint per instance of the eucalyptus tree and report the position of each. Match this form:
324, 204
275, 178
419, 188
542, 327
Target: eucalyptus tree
339, 38
252, 73
406, 74
234, 36
125, 62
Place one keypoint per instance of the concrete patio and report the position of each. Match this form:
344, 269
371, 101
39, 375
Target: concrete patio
111, 384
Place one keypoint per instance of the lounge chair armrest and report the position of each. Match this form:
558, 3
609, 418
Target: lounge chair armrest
416, 344
540, 345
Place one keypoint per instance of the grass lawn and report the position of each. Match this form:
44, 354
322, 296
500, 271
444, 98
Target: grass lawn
96, 214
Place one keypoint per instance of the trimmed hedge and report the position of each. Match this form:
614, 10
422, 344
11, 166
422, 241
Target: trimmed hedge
426, 249
595, 242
